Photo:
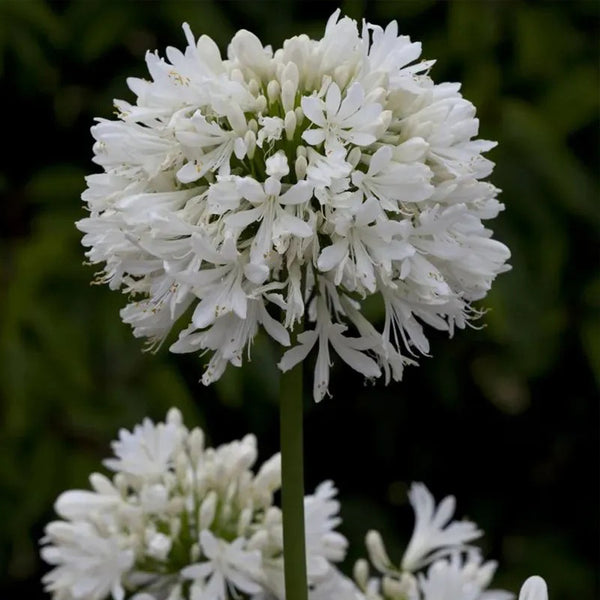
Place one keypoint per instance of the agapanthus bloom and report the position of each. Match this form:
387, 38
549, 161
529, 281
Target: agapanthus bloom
179, 520
274, 187
203, 526
437, 564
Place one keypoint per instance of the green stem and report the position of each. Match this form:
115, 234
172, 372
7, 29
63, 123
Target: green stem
292, 485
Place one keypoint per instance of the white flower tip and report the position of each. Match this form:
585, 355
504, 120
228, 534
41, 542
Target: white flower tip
377, 552
174, 417
534, 588
189, 36
361, 572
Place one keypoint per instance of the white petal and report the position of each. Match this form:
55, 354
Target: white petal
256, 273
352, 102
332, 255
287, 224
198, 571
240, 148
313, 109
332, 99
298, 193
209, 543
251, 190
274, 328
314, 136
272, 187
360, 138
242, 219
190, 172
368, 212
239, 302
357, 360
379, 160
298, 353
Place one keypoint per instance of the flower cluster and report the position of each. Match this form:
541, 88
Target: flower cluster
438, 563
275, 187
179, 521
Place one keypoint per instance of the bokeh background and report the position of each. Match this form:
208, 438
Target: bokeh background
504, 417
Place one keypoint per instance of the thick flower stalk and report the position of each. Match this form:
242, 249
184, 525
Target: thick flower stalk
274, 187
180, 521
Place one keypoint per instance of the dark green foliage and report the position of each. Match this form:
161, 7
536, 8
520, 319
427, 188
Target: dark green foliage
506, 417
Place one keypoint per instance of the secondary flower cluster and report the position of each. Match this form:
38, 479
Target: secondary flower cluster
179, 521
274, 187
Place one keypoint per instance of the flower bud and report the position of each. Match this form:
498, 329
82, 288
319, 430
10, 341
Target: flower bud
534, 588
273, 90
354, 156
290, 73
158, 545
175, 527
208, 510
290, 124
288, 95
237, 76
392, 589
341, 75
361, 573
254, 87
244, 521
376, 550
250, 139
195, 552
174, 417
300, 167
196, 437
261, 104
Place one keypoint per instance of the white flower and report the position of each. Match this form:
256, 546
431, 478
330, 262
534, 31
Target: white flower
88, 565
455, 571
341, 122
329, 333
148, 451
453, 579
271, 130
159, 545
178, 514
228, 567
435, 534
324, 545
534, 588
293, 182
205, 527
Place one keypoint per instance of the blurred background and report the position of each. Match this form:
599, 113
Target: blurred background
504, 417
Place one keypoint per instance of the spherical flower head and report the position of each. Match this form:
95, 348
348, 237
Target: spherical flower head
277, 187
178, 515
